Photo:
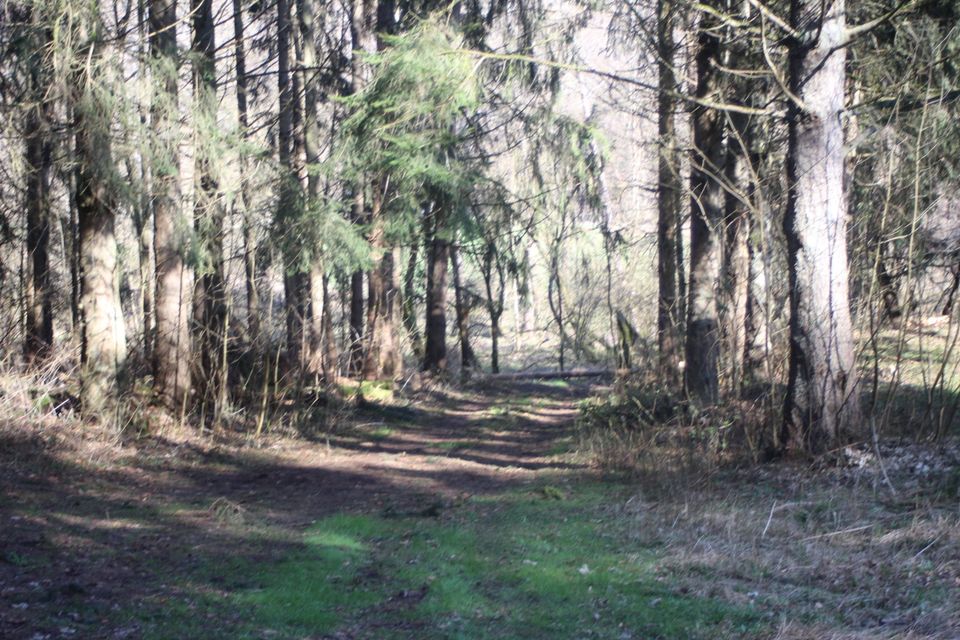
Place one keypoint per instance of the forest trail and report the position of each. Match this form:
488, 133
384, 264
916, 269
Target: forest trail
461, 514
108, 535
445, 446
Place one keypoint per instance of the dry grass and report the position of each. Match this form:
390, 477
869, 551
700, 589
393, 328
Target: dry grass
829, 554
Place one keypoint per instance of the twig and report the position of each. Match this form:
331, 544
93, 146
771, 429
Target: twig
837, 533
876, 450
769, 520
932, 542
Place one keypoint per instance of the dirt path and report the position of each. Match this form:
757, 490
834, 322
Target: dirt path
84, 541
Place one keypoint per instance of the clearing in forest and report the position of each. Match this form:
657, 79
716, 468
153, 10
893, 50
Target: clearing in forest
463, 514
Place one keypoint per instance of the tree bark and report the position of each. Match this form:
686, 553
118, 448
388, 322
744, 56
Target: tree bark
249, 236
736, 256
295, 285
463, 303
822, 403
669, 338
171, 241
435, 332
39, 291
209, 215
103, 340
363, 22
706, 219
380, 354
317, 358
491, 264
409, 315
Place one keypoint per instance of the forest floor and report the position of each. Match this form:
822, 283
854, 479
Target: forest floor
461, 514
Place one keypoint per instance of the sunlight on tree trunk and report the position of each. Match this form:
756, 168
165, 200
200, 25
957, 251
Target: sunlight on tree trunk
822, 404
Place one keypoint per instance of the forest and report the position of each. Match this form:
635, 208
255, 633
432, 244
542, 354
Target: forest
479, 319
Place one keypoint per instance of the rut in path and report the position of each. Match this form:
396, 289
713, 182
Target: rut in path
452, 443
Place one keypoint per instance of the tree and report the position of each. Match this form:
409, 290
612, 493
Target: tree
287, 220
172, 230
249, 239
669, 240
464, 302
822, 402
37, 131
209, 216
103, 340
706, 217
438, 256
317, 359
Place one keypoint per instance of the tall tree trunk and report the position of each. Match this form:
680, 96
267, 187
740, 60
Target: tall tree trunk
356, 322
249, 236
669, 339
103, 340
736, 255
209, 217
706, 219
463, 303
39, 152
409, 299
491, 264
330, 356
318, 357
363, 22
293, 282
555, 298
381, 355
174, 278
822, 403
757, 339
435, 331
143, 212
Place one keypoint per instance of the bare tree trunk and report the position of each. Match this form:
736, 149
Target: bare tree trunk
707, 200
330, 356
356, 322
822, 403
293, 282
249, 237
555, 299
143, 214
409, 299
757, 339
379, 340
317, 358
492, 263
669, 338
438, 254
174, 278
103, 340
209, 217
736, 256
463, 303
363, 23
39, 292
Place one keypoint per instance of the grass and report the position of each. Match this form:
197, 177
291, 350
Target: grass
527, 564
455, 445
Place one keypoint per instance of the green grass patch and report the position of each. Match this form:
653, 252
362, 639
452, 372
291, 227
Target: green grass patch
455, 445
522, 565
381, 433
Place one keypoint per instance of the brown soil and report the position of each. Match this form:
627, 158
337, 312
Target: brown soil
88, 527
